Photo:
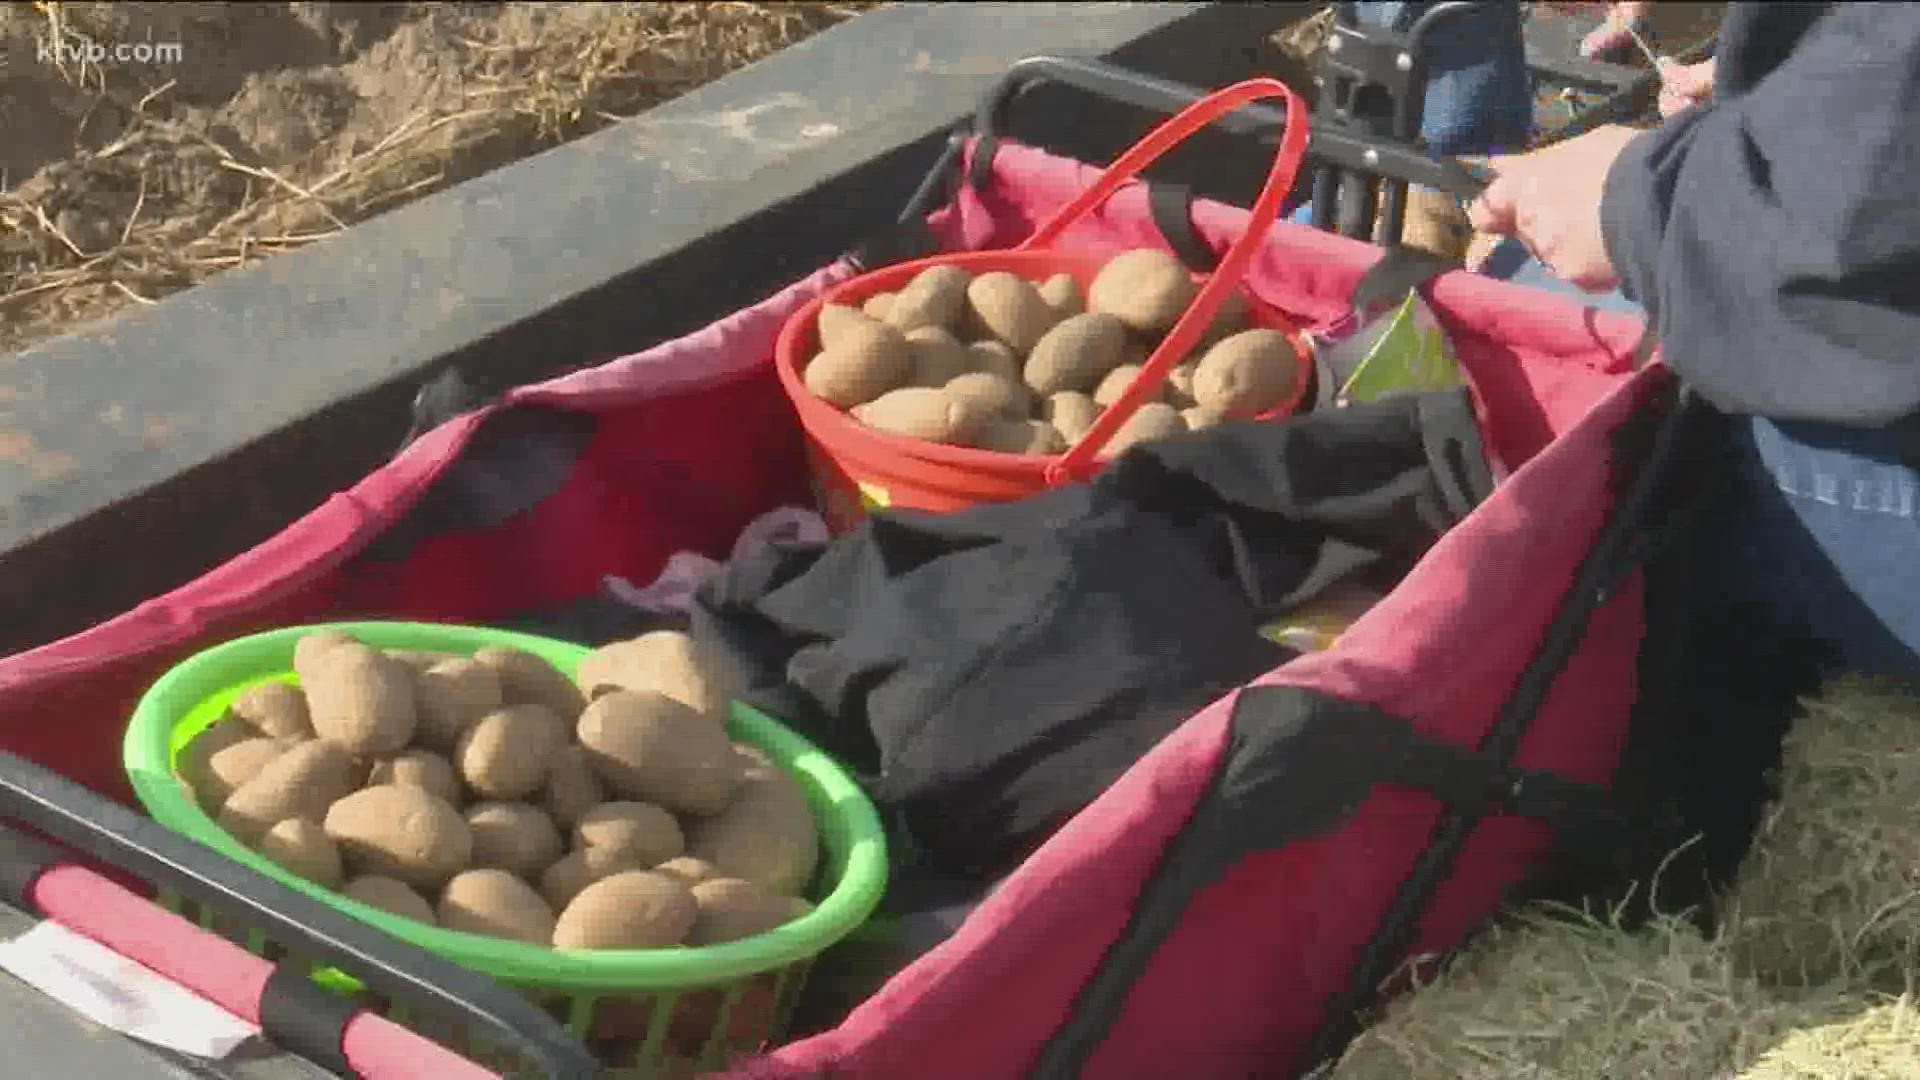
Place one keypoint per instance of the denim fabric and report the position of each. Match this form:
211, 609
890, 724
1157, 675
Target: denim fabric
1479, 93
1824, 529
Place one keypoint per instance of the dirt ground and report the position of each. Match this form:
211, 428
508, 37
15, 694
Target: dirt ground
148, 146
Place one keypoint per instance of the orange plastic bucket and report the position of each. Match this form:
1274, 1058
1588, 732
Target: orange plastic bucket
857, 468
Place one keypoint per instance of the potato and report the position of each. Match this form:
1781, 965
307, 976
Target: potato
878, 305
1116, 383
1147, 289
308, 651
1136, 351
1156, 420
836, 320
938, 357
562, 881
1021, 437
994, 394
671, 662
1247, 374
731, 909
192, 762
767, 835
1075, 355
636, 909
1071, 414
924, 413
497, 904
421, 768
418, 660
402, 832
302, 782
1199, 417
935, 297
1062, 294
362, 701
390, 896
995, 358
516, 837
275, 709
525, 679
650, 748
227, 771
572, 787
507, 754
301, 848
641, 831
688, 869
451, 697
870, 359
1008, 309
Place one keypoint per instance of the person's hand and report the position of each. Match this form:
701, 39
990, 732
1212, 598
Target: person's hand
1683, 86
1614, 38
1550, 200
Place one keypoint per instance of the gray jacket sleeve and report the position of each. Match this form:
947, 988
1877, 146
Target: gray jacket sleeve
1774, 235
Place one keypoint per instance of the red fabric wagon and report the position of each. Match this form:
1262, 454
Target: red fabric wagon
1229, 906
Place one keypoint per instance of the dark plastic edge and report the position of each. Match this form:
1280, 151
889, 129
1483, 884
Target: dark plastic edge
1376, 157
117, 836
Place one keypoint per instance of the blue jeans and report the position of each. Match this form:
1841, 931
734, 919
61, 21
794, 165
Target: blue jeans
1823, 529
1822, 526
1479, 91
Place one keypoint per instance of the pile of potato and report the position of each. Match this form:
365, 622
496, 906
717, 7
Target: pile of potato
997, 362
493, 794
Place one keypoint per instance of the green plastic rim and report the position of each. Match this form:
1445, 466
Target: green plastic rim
196, 693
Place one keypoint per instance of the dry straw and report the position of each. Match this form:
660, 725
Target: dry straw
519, 78
1873, 1042
1555, 995
1831, 890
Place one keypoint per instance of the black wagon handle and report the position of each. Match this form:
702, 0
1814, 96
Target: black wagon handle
1382, 158
115, 835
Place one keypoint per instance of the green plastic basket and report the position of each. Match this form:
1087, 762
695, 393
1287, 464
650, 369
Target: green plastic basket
666, 983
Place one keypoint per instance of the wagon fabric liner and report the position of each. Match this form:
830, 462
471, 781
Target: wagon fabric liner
1226, 906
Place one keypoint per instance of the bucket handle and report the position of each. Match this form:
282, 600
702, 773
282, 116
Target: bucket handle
1074, 464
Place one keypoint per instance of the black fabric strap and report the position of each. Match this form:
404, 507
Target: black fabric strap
1581, 815
1605, 562
1172, 209
305, 1020
1298, 765
1400, 271
22, 860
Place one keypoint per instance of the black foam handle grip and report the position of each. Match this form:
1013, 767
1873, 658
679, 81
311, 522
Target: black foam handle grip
1387, 159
